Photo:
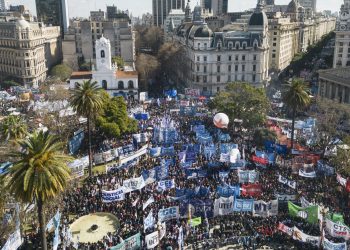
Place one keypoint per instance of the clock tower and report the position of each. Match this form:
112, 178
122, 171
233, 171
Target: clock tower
103, 54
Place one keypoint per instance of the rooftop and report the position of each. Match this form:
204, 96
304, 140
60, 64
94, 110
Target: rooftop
339, 75
81, 75
126, 74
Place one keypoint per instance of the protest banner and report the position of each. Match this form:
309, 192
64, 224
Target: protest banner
300, 236
254, 190
246, 176
148, 202
196, 208
168, 214
166, 184
114, 195
329, 245
289, 183
243, 205
131, 243
223, 206
149, 221
227, 191
337, 230
285, 229
133, 184
308, 213
305, 174
283, 198
14, 241
265, 209
152, 240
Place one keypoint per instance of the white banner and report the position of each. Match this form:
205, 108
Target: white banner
285, 229
223, 206
148, 202
14, 241
300, 236
133, 184
337, 230
168, 214
305, 203
162, 230
341, 180
114, 195
289, 183
265, 209
152, 240
149, 221
307, 174
166, 184
328, 245
135, 155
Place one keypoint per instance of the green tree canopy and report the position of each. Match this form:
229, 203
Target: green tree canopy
243, 101
119, 61
62, 71
263, 134
13, 127
113, 121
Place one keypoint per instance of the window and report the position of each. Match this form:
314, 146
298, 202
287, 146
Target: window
205, 69
230, 45
103, 54
197, 78
254, 67
243, 78
204, 78
254, 78
104, 84
236, 58
229, 78
275, 33
218, 58
218, 69
237, 45
274, 44
218, 89
243, 58
218, 79
205, 46
219, 45
230, 58
204, 58
198, 58
236, 78
340, 44
236, 68
199, 45
244, 45
273, 55
205, 89
275, 39
197, 68
243, 68
254, 57
229, 68
130, 84
120, 85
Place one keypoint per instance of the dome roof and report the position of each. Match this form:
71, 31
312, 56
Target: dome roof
203, 31
258, 19
22, 23
292, 7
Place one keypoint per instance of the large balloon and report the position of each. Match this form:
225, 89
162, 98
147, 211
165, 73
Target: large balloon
221, 120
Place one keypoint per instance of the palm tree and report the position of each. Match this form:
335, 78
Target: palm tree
87, 101
39, 174
296, 98
13, 127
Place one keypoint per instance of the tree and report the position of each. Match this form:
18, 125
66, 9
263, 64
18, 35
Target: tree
62, 71
13, 127
87, 101
113, 120
147, 66
296, 98
153, 38
40, 173
119, 61
243, 101
263, 134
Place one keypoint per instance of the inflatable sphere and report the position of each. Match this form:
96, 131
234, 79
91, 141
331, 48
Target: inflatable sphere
221, 120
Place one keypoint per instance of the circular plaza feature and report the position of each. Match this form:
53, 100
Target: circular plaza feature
93, 227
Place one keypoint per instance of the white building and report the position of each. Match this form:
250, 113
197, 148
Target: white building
342, 39
173, 20
116, 82
218, 58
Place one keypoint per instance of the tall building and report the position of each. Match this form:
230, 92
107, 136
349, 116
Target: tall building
219, 7
2, 5
342, 38
112, 12
270, 2
206, 4
161, 8
28, 51
309, 4
53, 12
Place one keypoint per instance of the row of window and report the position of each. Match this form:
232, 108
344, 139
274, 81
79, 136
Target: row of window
229, 78
229, 68
120, 84
218, 58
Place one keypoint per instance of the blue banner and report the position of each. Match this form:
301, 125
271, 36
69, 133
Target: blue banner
170, 151
76, 141
197, 208
198, 192
227, 191
324, 169
248, 176
168, 214
195, 173
155, 152
243, 205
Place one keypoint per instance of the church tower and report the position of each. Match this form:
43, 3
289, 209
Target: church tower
103, 55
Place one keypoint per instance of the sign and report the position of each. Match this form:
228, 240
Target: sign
248, 176
305, 174
227, 190
133, 156
165, 185
289, 183
192, 92
243, 205
149, 221
168, 214
152, 240
114, 195
131, 243
148, 202
14, 241
328, 245
300, 236
285, 229
265, 209
260, 160
76, 141
286, 197
223, 206
195, 221
162, 230
133, 184
308, 213
337, 230
253, 190
197, 208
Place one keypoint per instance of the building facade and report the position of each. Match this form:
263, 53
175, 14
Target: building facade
309, 4
218, 58
173, 20
161, 8
219, 7
85, 32
28, 51
53, 12
342, 37
334, 84
116, 82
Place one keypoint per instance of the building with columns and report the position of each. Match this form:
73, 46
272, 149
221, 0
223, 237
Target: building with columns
342, 37
218, 58
334, 84
117, 82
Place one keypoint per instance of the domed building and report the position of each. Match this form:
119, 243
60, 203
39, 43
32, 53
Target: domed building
218, 58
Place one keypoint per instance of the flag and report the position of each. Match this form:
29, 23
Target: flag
336, 217
148, 202
308, 213
195, 221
